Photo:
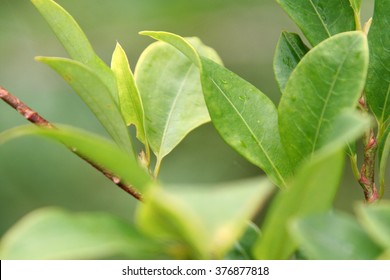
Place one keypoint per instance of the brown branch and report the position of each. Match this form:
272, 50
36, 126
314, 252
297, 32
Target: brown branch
36, 119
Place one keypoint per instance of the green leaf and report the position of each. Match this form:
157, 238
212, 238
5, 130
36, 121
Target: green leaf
95, 94
75, 42
202, 221
171, 94
376, 220
327, 81
289, 51
52, 233
312, 191
333, 236
383, 157
96, 149
320, 19
129, 97
378, 80
234, 104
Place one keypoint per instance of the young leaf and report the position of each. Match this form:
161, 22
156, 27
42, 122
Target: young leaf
75, 42
98, 150
129, 97
320, 19
171, 94
312, 191
328, 80
375, 219
289, 51
52, 233
334, 236
378, 79
95, 94
205, 220
234, 105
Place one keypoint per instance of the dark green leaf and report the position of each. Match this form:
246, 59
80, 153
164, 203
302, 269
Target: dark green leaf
51, 233
320, 19
328, 80
383, 157
334, 236
289, 51
95, 94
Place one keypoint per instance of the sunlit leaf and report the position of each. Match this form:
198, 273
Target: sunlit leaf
75, 42
334, 236
322, 86
95, 94
289, 51
320, 19
52, 233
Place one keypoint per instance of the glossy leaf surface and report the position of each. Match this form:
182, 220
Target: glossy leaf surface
320, 19
75, 42
52, 233
327, 81
96, 95
289, 51
334, 236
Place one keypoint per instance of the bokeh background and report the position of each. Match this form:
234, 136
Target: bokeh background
35, 172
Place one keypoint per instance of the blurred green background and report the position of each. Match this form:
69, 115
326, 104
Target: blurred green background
35, 172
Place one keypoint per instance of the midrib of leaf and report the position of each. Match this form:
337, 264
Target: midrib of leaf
319, 16
329, 94
168, 122
251, 131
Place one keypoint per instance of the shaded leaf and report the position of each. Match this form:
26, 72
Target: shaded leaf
129, 97
378, 80
52, 233
75, 42
96, 149
312, 191
204, 220
289, 51
95, 94
320, 19
323, 85
334, 236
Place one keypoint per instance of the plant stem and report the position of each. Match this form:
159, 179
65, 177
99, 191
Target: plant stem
36, 119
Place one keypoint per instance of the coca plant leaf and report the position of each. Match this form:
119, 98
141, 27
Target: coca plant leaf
171, 93
75, 42
129, 97
320, 19
52, 233
244, 117
96, 149
327, 81
289, 51
334, 236
378, 79
96, 95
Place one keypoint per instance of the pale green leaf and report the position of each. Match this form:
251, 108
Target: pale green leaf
52, 233
289, 51
171, 93
95, 94
378, 80
129, 97
320, 19
376, 220
204, 220
311, 191
328, 80
75, 42
97, 150
333, 236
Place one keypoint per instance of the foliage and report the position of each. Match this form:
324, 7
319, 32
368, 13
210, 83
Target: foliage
179, 84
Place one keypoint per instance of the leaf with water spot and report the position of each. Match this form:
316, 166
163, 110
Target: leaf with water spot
320, 19
327, 81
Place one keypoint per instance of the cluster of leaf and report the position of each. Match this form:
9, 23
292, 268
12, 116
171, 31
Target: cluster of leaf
179, 84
